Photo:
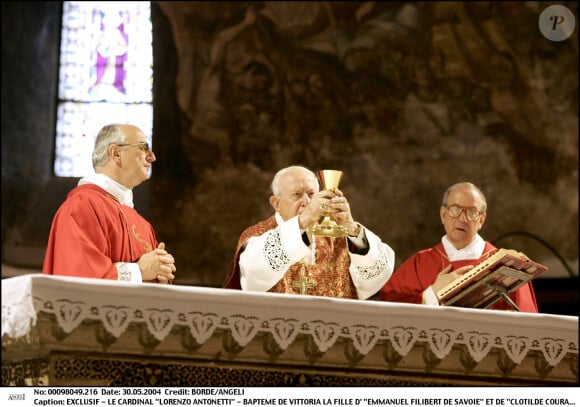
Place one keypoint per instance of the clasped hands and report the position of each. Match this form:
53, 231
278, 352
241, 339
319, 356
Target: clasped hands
328, 203
157, 266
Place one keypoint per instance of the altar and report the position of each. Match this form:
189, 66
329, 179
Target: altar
62, 331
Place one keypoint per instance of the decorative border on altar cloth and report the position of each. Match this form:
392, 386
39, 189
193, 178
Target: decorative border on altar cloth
202, 311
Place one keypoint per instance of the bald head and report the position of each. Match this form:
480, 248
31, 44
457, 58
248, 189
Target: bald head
294, 170
465, 186
123, 153
109, 134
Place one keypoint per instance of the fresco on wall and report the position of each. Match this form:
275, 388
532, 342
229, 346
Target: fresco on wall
405, 97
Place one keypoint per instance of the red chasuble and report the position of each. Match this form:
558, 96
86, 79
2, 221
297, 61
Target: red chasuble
329, 276
91, 231
419, 271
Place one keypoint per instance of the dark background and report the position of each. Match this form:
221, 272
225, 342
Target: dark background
405, 97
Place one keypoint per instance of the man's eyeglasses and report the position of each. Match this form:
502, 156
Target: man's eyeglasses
142, 146
455, 211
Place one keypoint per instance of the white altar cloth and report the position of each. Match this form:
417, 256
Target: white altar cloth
161, 308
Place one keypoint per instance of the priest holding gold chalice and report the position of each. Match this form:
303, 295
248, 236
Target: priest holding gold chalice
311, 245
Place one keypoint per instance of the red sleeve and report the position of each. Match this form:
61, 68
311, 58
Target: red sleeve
412, 277
232, 279
420, 271
524, 297
89, 233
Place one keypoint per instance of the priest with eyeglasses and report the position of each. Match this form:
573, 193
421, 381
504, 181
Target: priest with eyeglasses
97, 232
418, 279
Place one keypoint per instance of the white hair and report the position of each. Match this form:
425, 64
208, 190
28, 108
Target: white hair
275, 185
465, 185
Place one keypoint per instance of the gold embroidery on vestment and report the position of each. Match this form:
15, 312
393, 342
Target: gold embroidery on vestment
330, 272
138, 237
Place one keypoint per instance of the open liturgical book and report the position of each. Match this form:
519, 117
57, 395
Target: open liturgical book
491, 280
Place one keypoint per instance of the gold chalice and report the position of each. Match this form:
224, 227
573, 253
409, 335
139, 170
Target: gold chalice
326, 226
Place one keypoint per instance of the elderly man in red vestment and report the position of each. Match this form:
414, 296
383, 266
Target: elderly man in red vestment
280, 254
96, 232
463, 213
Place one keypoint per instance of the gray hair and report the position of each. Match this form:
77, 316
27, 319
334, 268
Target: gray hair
275, 185
109, 134
466, 185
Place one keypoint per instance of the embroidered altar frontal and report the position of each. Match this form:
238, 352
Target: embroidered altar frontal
76, 331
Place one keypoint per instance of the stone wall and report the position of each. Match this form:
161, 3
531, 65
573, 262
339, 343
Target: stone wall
405, 97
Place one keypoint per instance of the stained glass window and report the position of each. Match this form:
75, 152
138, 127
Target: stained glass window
105, 76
